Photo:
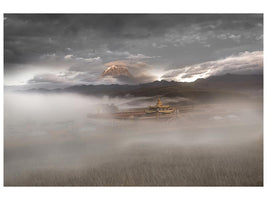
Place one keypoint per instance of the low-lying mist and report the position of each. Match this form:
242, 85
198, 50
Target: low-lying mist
50, 140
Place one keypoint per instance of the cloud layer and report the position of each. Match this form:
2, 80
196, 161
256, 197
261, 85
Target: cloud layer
75, 47
243, 63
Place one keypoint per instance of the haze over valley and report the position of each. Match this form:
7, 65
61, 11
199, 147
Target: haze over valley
133, 100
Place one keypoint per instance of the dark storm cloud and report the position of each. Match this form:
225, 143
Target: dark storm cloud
27, 36
83, 43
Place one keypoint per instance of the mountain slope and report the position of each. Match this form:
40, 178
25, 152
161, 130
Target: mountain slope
117, 71
231, 81
229, 86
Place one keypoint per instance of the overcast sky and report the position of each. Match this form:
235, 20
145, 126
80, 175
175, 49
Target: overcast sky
62, 50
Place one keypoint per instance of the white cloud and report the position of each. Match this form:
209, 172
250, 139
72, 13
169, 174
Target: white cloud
90, 59
192, 36
127, 55
118, 53
235, 37
222, 36
156, 45
260, 37
138, 56
68, 56
63, 78
95, 59
47, 78
49, 56
245, 62
225, 36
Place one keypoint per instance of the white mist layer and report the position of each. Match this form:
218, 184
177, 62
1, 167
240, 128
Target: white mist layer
44, 131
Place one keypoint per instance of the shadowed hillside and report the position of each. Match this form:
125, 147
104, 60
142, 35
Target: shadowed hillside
228, 86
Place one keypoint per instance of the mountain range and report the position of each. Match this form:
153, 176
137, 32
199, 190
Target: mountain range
228, 86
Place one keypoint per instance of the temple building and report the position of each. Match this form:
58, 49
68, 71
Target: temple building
159, 108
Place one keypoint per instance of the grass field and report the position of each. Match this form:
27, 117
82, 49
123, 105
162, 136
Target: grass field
211, 145
167, 169
137, 161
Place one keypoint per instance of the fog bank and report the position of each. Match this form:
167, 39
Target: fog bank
48, 133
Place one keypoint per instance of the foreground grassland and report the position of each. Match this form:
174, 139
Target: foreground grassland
148, 165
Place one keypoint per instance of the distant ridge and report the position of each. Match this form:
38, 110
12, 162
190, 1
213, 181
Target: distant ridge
231, 81
228, 84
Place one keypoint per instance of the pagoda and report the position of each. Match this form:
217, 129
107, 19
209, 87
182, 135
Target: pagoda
159, 108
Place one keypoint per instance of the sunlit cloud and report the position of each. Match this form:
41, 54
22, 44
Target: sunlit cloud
154, 47
243, 63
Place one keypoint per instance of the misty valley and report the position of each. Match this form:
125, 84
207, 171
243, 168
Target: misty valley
61, 139
133, 99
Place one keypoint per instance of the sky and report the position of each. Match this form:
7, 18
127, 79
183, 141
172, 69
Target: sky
60, 50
